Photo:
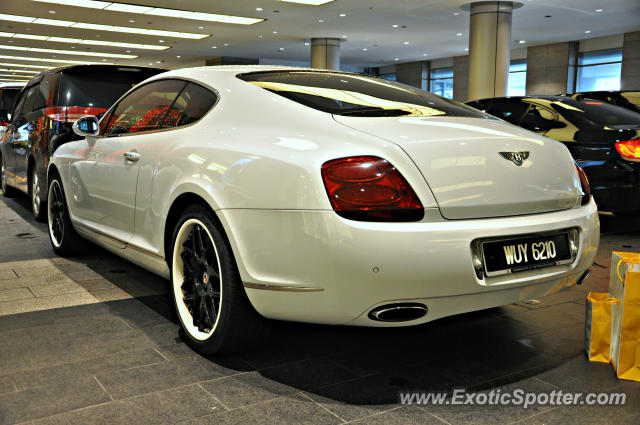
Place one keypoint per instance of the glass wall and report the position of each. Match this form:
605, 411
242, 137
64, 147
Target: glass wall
441, 82
517, 78
599, 70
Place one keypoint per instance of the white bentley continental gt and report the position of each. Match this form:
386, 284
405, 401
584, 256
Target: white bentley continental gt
320, 196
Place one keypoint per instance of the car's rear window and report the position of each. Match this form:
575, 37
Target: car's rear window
8, 96
99, 87
356, 95
596, 111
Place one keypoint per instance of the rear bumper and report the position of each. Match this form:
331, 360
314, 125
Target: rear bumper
313, 266
615, 185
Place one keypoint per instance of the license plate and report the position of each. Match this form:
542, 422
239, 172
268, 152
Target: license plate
526, 253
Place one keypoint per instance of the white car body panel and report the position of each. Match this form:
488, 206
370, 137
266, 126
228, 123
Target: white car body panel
255, 159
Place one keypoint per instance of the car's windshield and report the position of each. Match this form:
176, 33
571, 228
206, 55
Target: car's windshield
597, 112
99, 87
356, 95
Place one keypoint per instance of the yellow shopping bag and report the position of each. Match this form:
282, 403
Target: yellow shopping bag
625, 337
597, 332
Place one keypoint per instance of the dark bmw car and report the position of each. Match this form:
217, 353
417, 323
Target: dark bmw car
603, 138
44, 113
625, 99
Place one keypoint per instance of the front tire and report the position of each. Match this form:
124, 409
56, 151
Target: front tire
63, 236
38, 210
214, 311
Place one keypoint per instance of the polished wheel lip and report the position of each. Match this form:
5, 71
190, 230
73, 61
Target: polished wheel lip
55, 206
35, 193
178, 279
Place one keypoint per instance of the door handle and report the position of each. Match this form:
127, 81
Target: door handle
132, 156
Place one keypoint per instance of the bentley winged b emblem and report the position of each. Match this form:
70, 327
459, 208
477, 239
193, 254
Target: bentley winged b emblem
516, 157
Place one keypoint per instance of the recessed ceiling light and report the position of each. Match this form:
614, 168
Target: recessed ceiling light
157, 61
275, 32
148, 10
160, 41
214, 47
99, 27
306, 44
128, 51
344, 36
52, 11
226, 44
522, 41
395, 25
200, 28
599, 10
406, 42
150, 63
309, 2
321, 20
259, 9
260, 36
342, 15
396, 59
466, 49
425, 54
281, 48
459, 34
132, 20
178, 56
456, 13
587, 32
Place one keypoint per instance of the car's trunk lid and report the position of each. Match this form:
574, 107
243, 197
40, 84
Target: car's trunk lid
468, 163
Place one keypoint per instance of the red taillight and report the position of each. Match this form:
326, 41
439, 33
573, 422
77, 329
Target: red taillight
584, 182
71, 113
629, 149
369, 188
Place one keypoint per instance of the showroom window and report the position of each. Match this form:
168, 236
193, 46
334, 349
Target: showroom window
441, 82
390, 77
599, 70
517, 78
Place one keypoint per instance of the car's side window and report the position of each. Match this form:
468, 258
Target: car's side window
22, 106
192, 104
539, 119
144, 109
508, 110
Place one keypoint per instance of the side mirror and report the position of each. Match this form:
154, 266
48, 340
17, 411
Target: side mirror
86, 126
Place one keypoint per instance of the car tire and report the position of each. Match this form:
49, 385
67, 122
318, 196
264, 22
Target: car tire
7, 191
37, 208
64, 238
215, 313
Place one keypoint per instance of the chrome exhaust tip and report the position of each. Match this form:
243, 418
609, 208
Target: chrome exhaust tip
398, 312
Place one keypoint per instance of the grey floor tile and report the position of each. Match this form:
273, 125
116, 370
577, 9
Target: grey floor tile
407, 415
293, 410
47, 401
487, 413
579, 374
62, 287
15, 294
601, 415
245, 389
69, 372
6, 274
6, 384
553, 316
308, 374
161, 376
164, 407
35, 304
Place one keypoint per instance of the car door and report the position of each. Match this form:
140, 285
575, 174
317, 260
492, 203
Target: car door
105, 175
23, 132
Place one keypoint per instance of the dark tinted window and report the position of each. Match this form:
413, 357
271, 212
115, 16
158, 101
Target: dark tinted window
356, 95
8, 98
538, 119
99, 86
194, 101
18, 114
595, 113
39, 99
508, 110
144, 109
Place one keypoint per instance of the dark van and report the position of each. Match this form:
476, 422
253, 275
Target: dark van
44, 113
8, 95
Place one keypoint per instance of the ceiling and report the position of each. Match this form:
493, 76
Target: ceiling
390, 31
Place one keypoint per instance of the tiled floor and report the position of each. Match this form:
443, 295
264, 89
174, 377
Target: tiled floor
94, 340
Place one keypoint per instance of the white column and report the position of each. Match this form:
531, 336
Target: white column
489, 47
325, 53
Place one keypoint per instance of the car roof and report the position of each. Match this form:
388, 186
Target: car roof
545, 97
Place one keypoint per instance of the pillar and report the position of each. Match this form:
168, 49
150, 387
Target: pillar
551, 68
631, 61
489, 47
325, 53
